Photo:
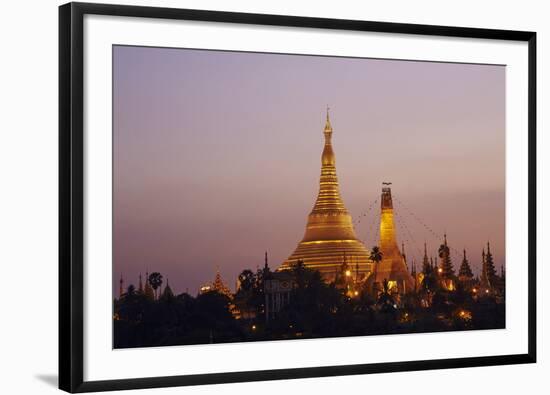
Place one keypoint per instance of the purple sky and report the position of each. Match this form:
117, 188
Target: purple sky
217, 156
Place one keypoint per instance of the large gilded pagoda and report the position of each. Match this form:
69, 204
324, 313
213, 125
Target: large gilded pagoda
330, 238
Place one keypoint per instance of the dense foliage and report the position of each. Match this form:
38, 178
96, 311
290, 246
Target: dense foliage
316, 309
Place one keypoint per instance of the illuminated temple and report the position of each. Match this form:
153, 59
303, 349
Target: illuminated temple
329, 239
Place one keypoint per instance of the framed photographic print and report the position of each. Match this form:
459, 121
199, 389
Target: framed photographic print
249, 195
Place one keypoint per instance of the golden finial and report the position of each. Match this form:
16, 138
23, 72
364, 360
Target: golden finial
328, 127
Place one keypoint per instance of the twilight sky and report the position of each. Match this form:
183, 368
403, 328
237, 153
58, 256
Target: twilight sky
217, 156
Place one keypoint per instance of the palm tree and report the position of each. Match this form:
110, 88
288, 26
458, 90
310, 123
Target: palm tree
155, 280
376, 256
131, 290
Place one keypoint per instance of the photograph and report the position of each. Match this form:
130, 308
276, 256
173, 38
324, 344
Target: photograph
272, 196
216, 174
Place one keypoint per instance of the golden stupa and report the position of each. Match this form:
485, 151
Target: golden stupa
330, 239
392, 267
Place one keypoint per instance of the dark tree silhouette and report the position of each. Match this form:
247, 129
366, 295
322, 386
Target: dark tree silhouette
300, 272
375, 254
155, 280
246, 280
313, 309
131, 290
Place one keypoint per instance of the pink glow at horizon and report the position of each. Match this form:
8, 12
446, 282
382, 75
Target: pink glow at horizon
217, 156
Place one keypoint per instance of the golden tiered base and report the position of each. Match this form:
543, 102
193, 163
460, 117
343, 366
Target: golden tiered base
327, 256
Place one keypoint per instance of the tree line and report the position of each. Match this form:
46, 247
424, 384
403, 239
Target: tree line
315, 309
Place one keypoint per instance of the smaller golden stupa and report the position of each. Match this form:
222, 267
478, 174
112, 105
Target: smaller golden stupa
392, 267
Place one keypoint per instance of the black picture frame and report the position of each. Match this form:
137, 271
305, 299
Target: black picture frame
71, 174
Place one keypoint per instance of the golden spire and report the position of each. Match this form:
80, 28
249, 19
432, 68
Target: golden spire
328, 198
328, 126
393, 266
388, 241
329, 229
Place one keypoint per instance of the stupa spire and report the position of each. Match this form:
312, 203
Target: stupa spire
465, 271
426, 267
329, 229
446, 265
218, 284
148, 290
168, 293
392, 267
488, 272
328, 199
121, 286
328, 126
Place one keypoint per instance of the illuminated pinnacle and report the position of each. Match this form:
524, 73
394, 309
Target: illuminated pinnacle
328, 126
329, 231
392, 267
